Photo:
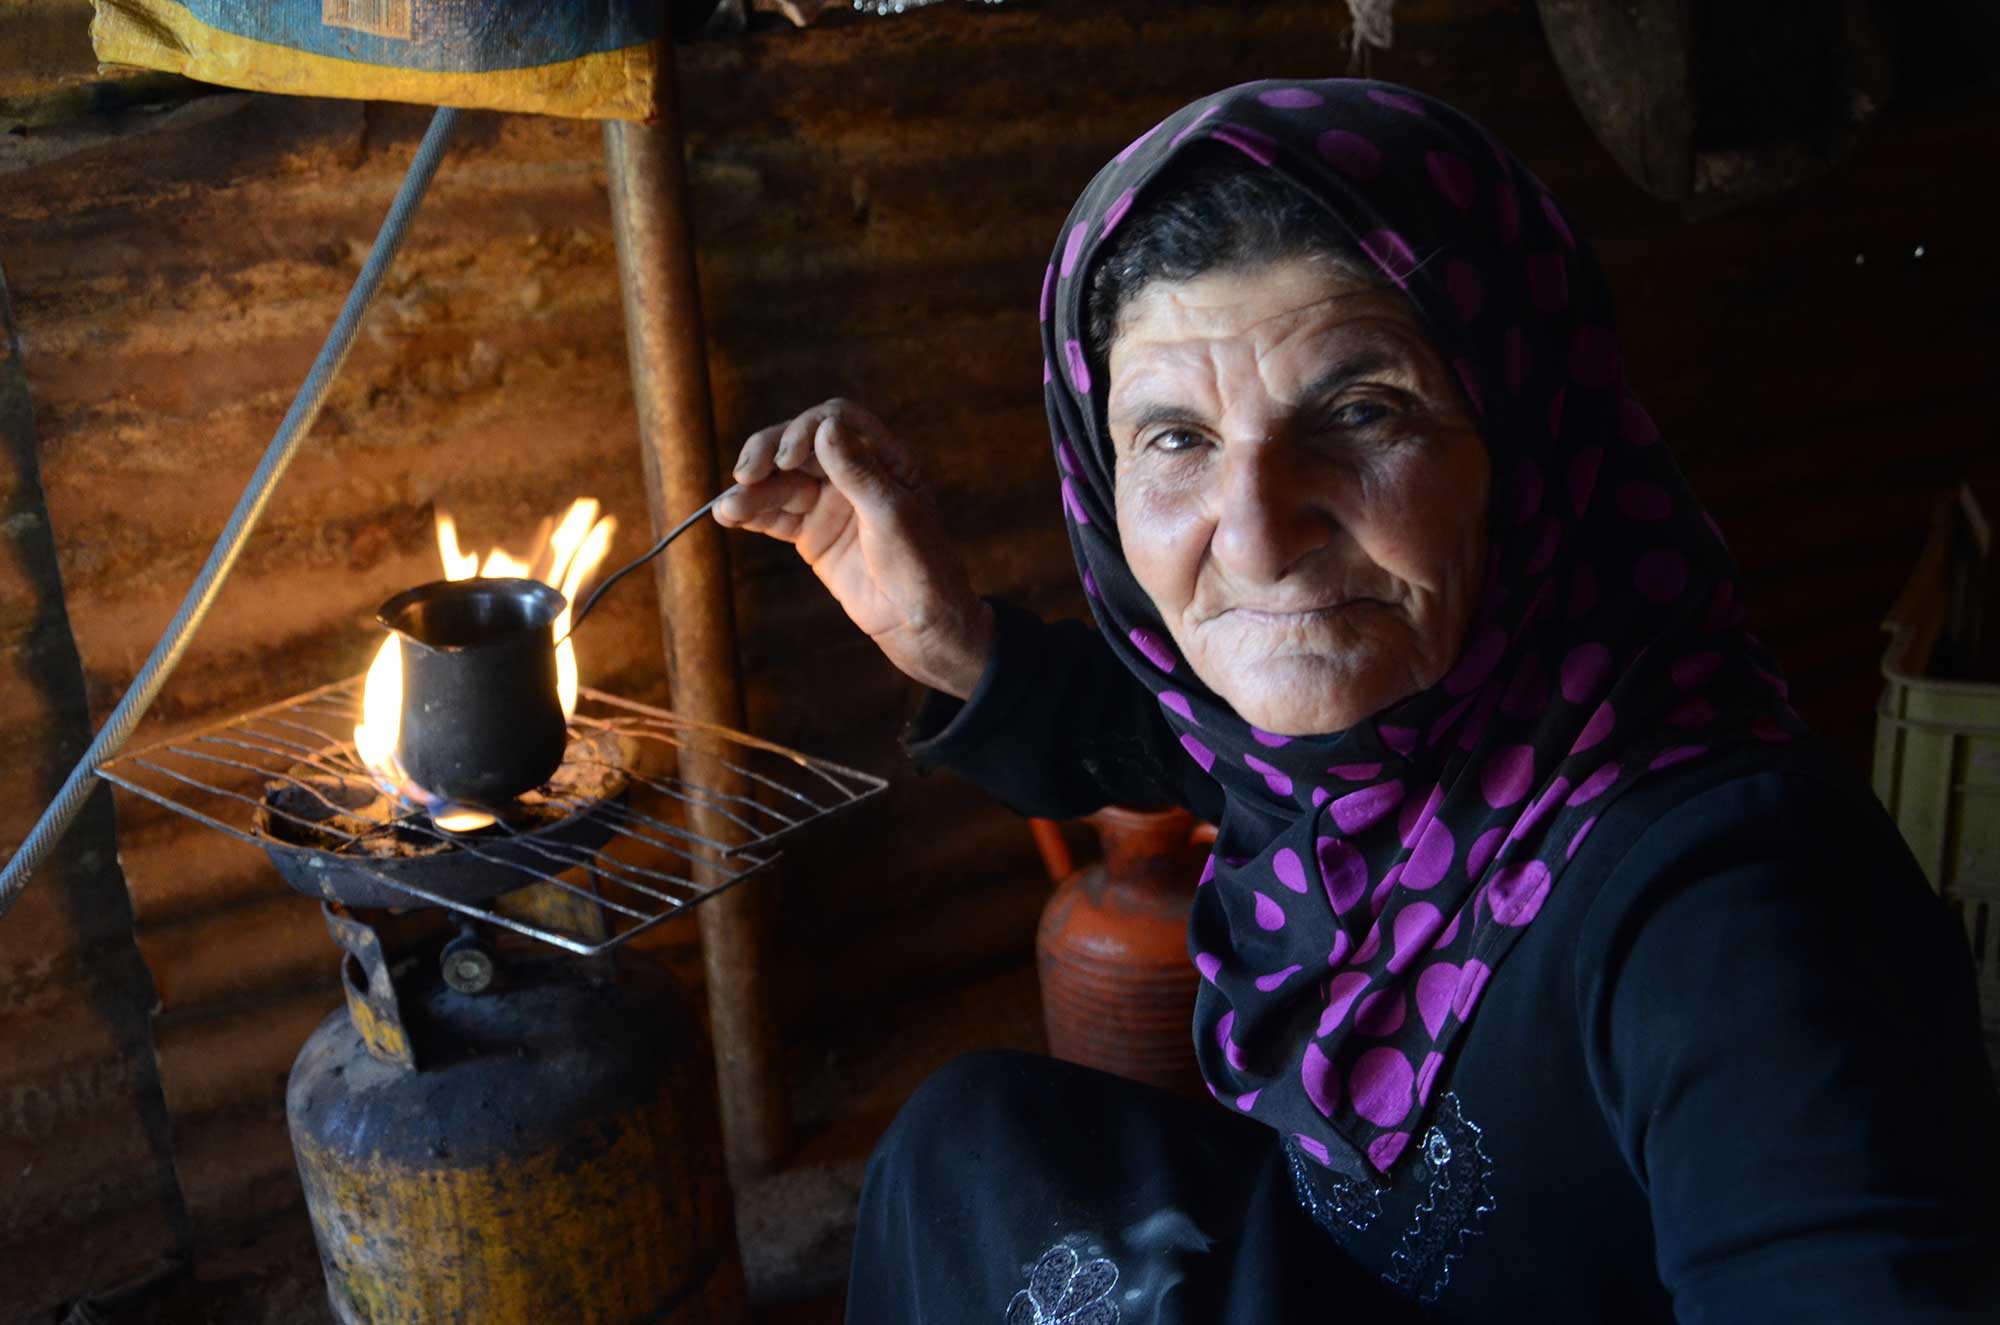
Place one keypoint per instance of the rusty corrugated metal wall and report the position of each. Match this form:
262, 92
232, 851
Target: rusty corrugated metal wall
87, 1191
875, 202
87, 1194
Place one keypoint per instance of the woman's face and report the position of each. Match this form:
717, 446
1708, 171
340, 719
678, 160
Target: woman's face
1300, 488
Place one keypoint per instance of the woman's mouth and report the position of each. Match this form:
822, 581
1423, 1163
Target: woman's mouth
1276, 615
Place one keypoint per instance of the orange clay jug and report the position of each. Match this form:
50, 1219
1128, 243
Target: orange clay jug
1117, 986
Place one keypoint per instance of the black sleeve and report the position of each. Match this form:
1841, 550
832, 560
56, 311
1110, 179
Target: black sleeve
1782, 1028
1058, 728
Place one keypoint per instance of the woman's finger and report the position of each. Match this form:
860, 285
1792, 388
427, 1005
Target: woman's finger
897, 459
780, 524
789, 445
774, 506
852, 466
795, 445
757, 458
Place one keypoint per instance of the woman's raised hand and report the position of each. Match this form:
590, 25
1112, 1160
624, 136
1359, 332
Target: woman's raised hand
838, 486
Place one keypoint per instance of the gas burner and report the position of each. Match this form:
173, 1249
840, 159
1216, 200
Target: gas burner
331, 833
649, 813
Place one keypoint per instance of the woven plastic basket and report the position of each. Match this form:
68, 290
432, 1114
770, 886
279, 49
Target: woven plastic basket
1937, 742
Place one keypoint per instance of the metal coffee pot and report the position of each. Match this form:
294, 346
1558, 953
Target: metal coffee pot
482, 721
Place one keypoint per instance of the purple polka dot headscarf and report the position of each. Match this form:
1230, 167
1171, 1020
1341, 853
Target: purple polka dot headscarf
1367, 884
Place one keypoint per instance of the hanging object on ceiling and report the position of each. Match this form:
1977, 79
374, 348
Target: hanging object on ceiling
1715, 102
1374, 25
890, 7
592, 61
734, 15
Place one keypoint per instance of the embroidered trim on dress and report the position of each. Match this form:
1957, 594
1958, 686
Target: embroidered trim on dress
1064, 1289
1337, 1203
1456, 1167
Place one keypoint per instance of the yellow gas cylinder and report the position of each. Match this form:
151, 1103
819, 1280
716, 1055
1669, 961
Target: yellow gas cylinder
545, 1149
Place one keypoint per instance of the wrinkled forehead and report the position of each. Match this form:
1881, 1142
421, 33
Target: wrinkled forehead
1289, 331
1249, 301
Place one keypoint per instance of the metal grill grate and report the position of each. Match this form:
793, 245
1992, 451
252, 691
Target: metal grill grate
651, 814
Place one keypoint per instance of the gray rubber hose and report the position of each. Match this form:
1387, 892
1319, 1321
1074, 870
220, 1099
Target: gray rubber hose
298, 421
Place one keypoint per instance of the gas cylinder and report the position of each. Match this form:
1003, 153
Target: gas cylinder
535, 1148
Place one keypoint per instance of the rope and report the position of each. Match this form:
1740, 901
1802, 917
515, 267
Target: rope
298, 421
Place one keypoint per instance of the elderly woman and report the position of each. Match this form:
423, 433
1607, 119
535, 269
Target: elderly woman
1550, 971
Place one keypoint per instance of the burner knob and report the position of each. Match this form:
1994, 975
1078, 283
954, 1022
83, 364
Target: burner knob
468, 966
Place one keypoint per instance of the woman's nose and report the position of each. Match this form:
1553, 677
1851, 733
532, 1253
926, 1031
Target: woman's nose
1269, 513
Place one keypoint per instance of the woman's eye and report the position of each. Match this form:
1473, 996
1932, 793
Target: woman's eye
1175, 439
1358, 414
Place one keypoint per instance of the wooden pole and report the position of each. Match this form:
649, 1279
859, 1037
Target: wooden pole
669, 364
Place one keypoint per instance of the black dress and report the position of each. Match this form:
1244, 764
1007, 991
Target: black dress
1607, 1149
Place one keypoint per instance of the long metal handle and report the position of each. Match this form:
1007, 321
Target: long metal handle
298, 421
590, 601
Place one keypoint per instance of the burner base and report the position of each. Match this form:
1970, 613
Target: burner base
342, 840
